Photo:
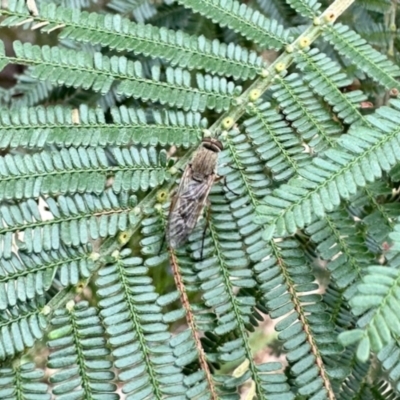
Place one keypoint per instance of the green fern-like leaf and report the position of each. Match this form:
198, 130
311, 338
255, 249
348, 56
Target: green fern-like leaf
77, 330
21, 326
142, 346
101, 117
377, 306
240, 18
23, 382
338, 242
281, 148
308, 8
24, 278
302, 110
335, 177
98, 72
373, 63
75, 221
325, 79
37, 127
69, 171
142, 10
184, 50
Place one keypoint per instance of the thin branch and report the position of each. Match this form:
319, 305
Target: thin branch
192, 324
303, 320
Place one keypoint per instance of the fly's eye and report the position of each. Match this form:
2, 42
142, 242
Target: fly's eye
219, 145
214, 145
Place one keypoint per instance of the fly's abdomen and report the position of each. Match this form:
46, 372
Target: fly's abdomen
177, 232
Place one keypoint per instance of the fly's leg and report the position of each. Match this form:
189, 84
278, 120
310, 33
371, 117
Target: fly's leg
164, 237
208, 215
162, 244
223, 178
230, 190
218, 177
236, 168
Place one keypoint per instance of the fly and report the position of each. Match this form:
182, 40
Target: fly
194, 187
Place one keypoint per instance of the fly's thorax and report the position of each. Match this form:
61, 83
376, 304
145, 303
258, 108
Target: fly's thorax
204, 163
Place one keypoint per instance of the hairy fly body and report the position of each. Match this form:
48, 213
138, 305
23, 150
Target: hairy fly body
191, 197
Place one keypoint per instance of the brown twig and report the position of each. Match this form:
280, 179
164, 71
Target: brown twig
306, 327
192, 324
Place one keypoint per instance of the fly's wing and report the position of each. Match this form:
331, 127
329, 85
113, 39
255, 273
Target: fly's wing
186, 207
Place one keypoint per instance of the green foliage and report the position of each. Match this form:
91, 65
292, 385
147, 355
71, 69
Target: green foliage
362, 156
25, 278
240, 18
281, 148
325, 79
103, 108
21, 326
38, 127
139, 338
311, 121
23, 382
79, 170
179, 48
376, 303
77, 331
354, 47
